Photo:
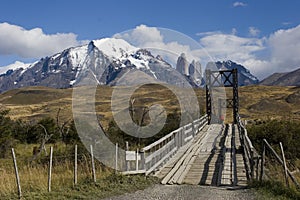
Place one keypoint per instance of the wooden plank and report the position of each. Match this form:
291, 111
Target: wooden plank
75, 166
93, 164
284, 165
50, 170
263, 154
176, 167
17, 173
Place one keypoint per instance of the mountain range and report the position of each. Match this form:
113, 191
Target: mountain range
109, 61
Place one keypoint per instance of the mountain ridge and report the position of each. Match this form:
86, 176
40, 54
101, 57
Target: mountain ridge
283, 79
107, 60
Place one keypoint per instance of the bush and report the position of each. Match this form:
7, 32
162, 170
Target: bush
7, 140
275, 131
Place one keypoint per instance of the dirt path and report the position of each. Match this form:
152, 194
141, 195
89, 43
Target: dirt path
187, 192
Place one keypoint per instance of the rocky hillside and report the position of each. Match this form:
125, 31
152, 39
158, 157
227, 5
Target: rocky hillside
283, 79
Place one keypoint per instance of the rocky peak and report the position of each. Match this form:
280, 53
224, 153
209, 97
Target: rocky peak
182, 65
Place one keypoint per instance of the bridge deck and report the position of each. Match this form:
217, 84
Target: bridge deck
214, 157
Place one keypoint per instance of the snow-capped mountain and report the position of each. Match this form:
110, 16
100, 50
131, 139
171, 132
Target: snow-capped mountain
106, 59
14, 66
109, 61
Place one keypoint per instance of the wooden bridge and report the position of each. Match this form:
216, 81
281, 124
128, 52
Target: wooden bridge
198, 153
206, 151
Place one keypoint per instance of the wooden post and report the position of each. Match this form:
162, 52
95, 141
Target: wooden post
116, 163
281, 162
263, 153
182, 136
50, 169
176, 135
256, 168
93, 164
75, 166
193, 129
252, 164
127, 162
143, 160
284, 165
16, 172
137, 160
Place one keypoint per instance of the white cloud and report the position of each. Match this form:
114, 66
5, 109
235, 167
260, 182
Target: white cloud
285, 47
253, 31
208, 33
153, 38
141, 35
278, 52
239, 4
228, 46
33, 43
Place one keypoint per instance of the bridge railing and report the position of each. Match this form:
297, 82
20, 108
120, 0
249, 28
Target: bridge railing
251, 156
153, 156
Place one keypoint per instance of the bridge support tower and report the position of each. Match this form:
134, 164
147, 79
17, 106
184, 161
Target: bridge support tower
219, 79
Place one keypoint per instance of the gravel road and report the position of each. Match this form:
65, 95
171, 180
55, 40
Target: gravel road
188, 192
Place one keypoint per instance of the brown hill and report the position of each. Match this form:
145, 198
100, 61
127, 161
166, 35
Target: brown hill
283, 79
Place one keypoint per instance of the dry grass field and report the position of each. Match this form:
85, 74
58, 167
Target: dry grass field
256, 102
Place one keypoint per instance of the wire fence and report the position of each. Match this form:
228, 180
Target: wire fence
20, 174
275, 167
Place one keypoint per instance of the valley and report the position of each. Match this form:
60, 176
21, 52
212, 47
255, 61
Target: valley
256, 102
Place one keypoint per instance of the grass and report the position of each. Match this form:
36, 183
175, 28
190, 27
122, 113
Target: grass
109, 184
34, 178
274, 190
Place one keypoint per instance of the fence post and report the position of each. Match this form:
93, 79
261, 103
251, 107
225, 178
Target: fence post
176, 135
50, 169
193, 129
284, 165
16, 172
93, 164
137, 160
182, 136
263, 153
143, 164
116, 162
126, 161
252, 164
75, 166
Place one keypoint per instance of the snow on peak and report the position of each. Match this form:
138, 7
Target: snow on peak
14, 66
77, 55
115, 48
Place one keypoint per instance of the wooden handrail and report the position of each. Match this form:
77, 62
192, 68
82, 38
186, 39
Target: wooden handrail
163, 150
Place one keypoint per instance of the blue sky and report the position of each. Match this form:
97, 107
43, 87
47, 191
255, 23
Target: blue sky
256, 33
